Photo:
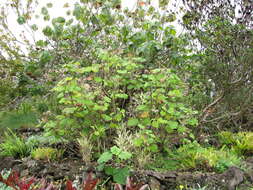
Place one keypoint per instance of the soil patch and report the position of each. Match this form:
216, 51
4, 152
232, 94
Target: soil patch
75, 169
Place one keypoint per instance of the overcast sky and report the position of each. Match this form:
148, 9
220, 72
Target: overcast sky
59, 10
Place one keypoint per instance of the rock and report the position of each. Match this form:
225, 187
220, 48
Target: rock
154, 184
6, 163
24, 173
58, 176
31, 163
250, 175
249, 171
44, 172
234, 176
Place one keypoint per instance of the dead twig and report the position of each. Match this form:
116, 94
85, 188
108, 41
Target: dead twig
207, 109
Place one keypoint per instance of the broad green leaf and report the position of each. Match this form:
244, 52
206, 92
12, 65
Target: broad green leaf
155, 124
142, 108
145, 121
173, 124
68, 79
122, 71
175, 93
95, 68
87, 102
58, 20
173, 32
132, 122
139, 59
110, 170
69, 110
120, 175
106, 117
60, 95
47, 31
163, 121
64, 101
85, 69
107, 99
192, 122
118, 117
171, 110
163, 113
181, 129
153, 148
98, 79
99, 108
115, 150
105, 157
125, 155
123, 96
141, 126
138, 142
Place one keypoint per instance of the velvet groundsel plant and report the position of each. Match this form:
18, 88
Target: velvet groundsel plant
17, 183
14, 181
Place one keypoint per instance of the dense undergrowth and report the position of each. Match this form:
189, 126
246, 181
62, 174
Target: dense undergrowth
128, 91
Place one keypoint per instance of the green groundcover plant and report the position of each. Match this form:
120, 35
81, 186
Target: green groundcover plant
15, 146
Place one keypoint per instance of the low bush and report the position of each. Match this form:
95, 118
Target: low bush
47, 153
193, 156
118, 93
241, 143
14, 146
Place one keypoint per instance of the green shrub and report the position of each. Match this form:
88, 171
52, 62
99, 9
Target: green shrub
152, 103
